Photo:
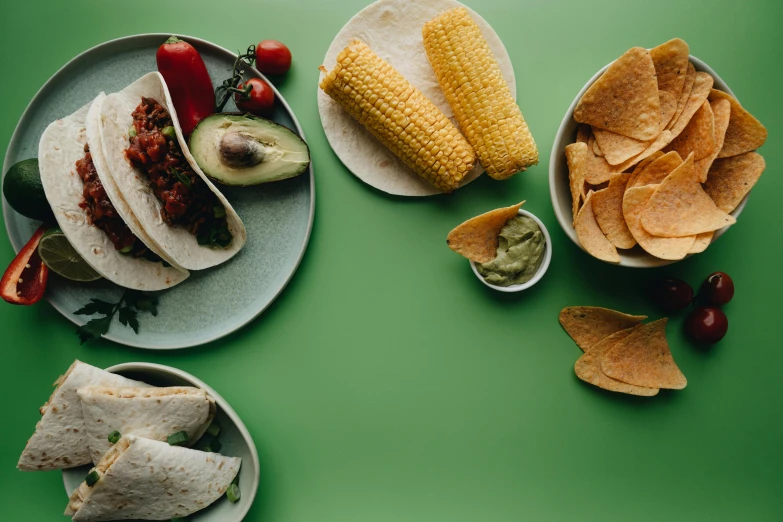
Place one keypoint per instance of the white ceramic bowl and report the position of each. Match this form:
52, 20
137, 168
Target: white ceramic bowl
558, 176
541, 269
234, 437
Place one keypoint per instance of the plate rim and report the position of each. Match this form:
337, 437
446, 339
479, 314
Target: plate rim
215, 47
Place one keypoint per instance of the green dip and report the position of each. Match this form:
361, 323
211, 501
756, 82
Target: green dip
520, 251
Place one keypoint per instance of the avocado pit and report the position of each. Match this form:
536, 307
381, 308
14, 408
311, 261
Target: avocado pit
240, 151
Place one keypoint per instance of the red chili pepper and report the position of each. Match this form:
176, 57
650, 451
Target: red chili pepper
188, 82
24, 282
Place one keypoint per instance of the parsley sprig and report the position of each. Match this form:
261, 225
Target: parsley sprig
131, 302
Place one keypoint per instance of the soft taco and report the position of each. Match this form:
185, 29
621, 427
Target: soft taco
91, 211
153, 413
145, 479
61, 440
180, 209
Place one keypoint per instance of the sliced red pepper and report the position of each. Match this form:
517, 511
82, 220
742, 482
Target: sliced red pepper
24, 281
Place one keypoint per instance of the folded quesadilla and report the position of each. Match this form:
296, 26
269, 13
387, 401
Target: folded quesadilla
61, 439
150, 480
90, 209
153, 413
181, 210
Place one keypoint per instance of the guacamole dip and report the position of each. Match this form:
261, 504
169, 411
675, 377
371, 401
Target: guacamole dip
520, 251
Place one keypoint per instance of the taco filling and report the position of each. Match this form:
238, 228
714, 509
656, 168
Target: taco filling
186, 200
102, 214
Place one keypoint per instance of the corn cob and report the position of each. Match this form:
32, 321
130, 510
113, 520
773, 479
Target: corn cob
400, 116
481, 100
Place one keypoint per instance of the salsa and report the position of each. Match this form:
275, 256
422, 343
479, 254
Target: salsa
521, 246
186, 199
101, 212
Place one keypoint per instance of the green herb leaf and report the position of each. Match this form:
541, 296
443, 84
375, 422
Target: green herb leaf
93, 329
181, 176
95, 306
128, 318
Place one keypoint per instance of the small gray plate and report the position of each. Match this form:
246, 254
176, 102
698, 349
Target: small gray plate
211, 303
234, 437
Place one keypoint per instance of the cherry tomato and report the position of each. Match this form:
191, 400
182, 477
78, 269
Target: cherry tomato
718, 289
672, 295
706, 324
259, 101
272, 57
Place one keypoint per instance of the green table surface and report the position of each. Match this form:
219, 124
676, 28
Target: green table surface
386, 383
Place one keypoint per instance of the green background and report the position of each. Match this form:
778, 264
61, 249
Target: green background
386, 383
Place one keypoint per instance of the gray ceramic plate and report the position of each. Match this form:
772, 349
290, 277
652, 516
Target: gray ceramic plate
211, 303
234, 437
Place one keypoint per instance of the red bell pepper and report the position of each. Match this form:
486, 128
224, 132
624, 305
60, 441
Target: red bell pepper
24, 282
188, 82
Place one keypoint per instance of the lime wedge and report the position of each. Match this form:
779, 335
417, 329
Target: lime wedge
59, 255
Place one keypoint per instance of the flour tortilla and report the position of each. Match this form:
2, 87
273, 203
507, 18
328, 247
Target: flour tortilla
392, 28
146, 479
60, 440
176, 242
153, 413
61, 146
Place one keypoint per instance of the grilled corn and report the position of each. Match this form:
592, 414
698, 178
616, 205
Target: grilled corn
481, 100
399, 115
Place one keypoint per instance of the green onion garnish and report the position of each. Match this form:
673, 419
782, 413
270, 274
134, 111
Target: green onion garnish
114, 436
233, 493
214, 429
178, 439
219, 211
182, 177
126, 249
92, 478
170, 132
213, 447
132, 131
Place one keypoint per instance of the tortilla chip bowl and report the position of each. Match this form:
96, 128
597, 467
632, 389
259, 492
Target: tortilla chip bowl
560, 190
234, 437
541, 269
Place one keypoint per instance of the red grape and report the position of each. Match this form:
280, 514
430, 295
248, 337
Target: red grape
672, 295
718, 289
706, 324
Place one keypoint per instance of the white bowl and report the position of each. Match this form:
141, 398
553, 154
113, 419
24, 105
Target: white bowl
560, 190
234, 437
542, 268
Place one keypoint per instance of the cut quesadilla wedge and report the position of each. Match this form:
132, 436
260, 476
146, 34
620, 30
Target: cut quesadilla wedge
146, 479
60, 439
153, 413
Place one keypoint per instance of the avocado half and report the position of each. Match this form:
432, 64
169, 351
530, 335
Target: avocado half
243, 150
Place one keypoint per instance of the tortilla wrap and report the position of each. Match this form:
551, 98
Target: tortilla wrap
392, 28
60, 440
151, 480
176, 242
61, 146
153, 413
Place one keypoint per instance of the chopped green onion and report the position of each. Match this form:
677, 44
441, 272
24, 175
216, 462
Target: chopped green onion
214, 429
182, 177
169, 131
219, 211
233, 493
178, 439
213, 447
132, 131
114, 436
92, 478
126, 249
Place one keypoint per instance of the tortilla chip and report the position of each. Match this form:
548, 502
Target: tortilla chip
672, 248
722, 111
660, 142
671, 66
590, 235
643, 165
588, 367
698, 136
576, 157
701, 90
583, 134
587, 325
608, 210
668, 108
701, 242
745, 133
598, 170
477, 238
680, 207
730, 179
644, 359
658, 170
682, 101
593, 144
630, 80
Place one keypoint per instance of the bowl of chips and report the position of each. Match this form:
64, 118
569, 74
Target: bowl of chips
654, 159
